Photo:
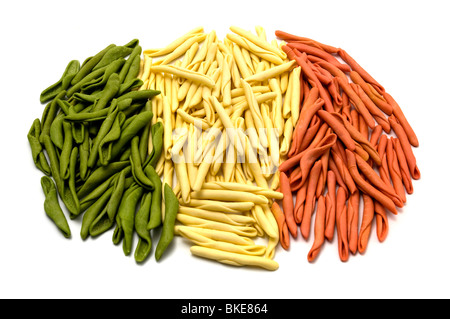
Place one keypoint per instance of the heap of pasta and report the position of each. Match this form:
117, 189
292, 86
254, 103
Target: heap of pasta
228, 108
351, 161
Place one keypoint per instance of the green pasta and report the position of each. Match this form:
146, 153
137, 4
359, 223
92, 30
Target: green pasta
99, 175
127, 216
66, 150
130, 131
112, 55
93, 211
171, 210
36, 148
136, 165
157, 131
105, 221
155, 211
89, 64
98, 150
144, 245
69, 73
52, 207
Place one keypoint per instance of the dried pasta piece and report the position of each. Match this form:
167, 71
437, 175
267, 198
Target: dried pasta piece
229, 195
218, 235
185, 73
247, 231
255, 48
271, 72
174, 44
319, 230
234, 259
406, 147
366, 223
198, 239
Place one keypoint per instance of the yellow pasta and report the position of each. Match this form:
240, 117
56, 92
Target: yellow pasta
227, 123
234, 259
202, 53
175, 44
174, 96
287, 137
251, 47
229, 195
246, 231
189, 55
198, 122
185, 73
288, 97
232, 219
198, 239
228, 110
256, 113
218, 235
241, 64
183, 178
271, 73
221, 206
183, 48
167, 118
277, 106
248, 60
295, 98
272, 136
168, 172
226, 80
202, 171
258, 41
245, 188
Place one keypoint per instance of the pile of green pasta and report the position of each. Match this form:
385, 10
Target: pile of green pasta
92, 144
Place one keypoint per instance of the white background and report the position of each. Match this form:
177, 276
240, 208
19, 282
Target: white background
403, 44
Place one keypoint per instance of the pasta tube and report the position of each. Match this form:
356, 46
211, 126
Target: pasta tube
234, 258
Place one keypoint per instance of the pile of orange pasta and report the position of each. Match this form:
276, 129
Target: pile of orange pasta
351, 147
319, 148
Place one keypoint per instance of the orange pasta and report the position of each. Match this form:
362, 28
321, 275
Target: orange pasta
293, 38
316, 128
377, 114
394, 170
352, 221
282, 226
288, 204
358, 103
376, 98
341, 224
338, 128
403, 165
363, 146
397, 111
301, 60
300, 203
330, 203
406, 146
351, 144
367, 187
377, 182
312, 154
310, 50
356, 67
375, 135
381, 221
310, 199
319, 230
306, 115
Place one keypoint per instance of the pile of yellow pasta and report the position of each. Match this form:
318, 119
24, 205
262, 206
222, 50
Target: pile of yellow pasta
229, 108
